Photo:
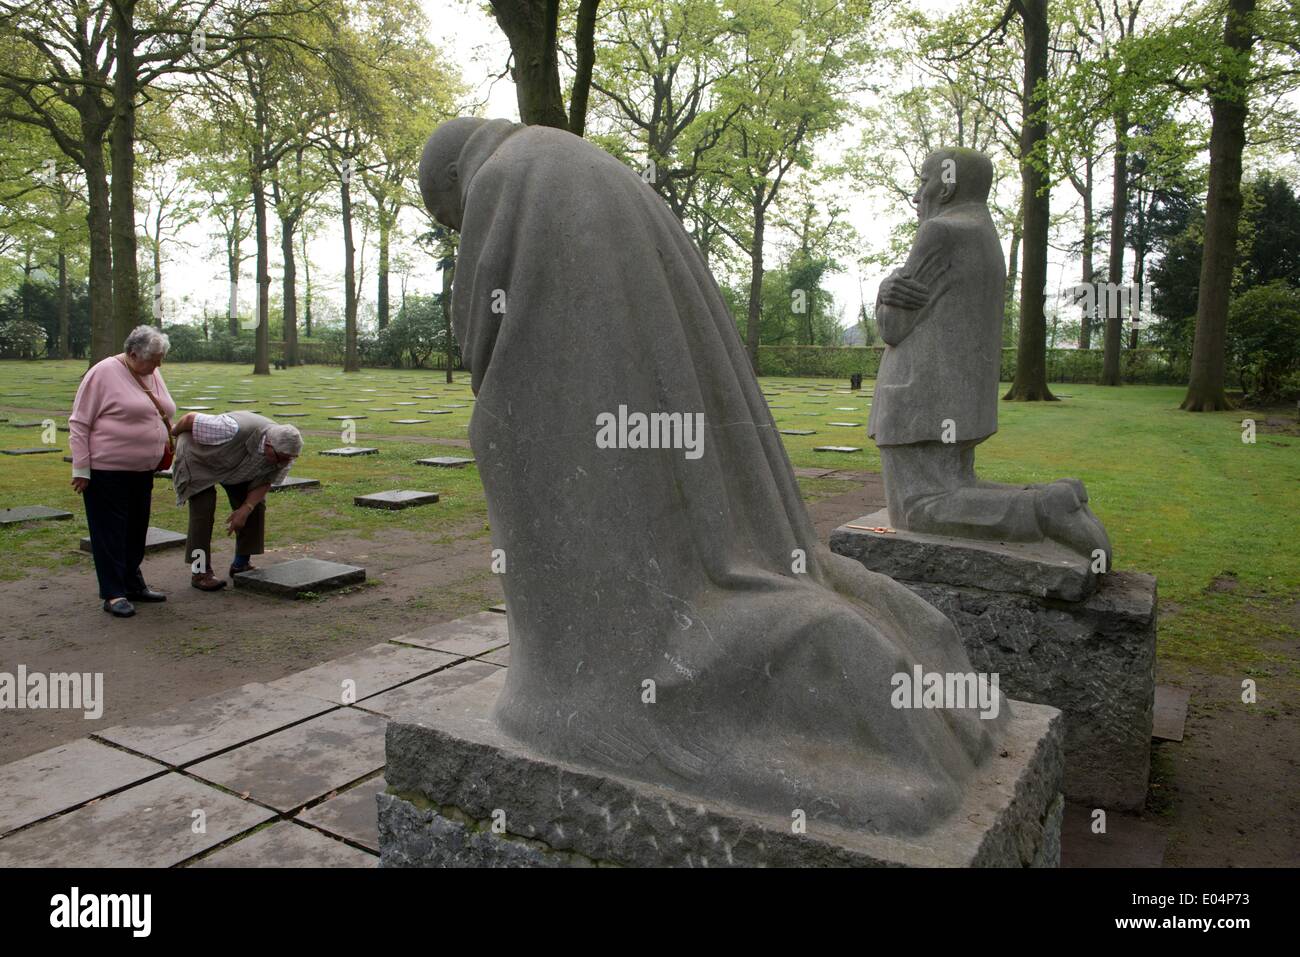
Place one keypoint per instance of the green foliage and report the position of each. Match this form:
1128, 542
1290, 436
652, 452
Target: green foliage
1264, 339
21, 339
838, 362
414, 335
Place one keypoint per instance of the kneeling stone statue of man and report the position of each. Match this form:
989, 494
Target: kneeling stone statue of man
936, 396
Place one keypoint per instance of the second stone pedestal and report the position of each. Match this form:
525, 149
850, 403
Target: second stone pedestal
1054, 633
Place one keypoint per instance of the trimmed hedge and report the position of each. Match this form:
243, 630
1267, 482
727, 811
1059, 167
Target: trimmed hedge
1138, 366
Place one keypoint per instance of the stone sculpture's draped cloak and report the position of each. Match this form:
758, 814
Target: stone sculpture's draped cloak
624, 565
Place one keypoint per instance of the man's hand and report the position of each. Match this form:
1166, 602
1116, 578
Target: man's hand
184, 425
238, 518
79, 484
903, 292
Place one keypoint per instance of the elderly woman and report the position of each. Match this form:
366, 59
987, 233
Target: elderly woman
243, 452
119, 431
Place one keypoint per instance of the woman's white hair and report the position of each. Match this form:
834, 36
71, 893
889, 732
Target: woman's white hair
146, 342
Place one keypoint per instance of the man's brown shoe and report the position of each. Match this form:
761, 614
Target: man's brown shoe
207, 582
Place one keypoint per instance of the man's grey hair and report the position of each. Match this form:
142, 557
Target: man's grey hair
146, 342
285, 439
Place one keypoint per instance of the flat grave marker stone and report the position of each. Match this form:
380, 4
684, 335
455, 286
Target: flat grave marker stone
31, 513
348, 451
345, 418
1169, 713
797, 431
408, 421
292, 482
396, 499
434, 411
445, 461
155, 540
846, 425
837, 448
300, 575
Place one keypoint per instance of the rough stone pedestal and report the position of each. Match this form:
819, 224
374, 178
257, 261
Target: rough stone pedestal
462, 794
1054, 633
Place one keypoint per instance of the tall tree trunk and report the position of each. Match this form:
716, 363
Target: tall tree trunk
157, 283
381, 306
126, 272
755, 279
1030, 382
448, 273
1086, 264
262, 354
1013, 267
65, 333
1228, 110
232, 267
290, 290
584, 40
351, 360
104, 340
1115, 297
306, 292
531, 27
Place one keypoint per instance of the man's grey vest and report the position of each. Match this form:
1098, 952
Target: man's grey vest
198, 467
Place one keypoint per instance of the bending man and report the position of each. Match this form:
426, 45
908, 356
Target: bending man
243, 452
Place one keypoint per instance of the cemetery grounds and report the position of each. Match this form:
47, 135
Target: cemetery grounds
1183, 497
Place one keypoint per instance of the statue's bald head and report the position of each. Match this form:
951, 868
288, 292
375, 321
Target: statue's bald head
439, 176
952, 176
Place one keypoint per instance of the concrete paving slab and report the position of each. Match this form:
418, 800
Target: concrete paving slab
299, 576
369, 672
470, 636
150, 825
351, 813
408, 702
300, 764
286, 844
196, 729
499, 657
43, 784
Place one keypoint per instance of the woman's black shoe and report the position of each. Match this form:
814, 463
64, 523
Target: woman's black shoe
146, 594
119, 608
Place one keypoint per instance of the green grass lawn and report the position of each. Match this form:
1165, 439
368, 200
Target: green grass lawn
1181, 495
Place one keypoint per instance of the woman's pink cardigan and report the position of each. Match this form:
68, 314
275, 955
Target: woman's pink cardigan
113, 425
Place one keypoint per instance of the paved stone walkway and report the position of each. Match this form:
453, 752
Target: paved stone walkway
265, 775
